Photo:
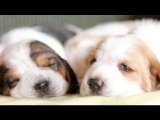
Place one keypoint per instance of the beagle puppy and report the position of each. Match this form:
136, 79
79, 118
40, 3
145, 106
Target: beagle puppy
117, 59
33, 65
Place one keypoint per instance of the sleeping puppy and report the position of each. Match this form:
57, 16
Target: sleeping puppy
115, 64
33, 65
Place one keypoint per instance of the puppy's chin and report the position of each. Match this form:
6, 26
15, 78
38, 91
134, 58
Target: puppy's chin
36, 95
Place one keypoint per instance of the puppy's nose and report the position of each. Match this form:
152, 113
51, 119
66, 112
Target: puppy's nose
95, 84
42, 86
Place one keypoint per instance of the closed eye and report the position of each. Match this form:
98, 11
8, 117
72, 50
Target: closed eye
52, 63
13, 83
125, 68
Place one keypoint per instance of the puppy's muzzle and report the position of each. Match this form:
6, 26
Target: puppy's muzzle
42, 87
95, 85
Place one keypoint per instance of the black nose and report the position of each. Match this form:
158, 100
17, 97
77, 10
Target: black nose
95, 84
42, 86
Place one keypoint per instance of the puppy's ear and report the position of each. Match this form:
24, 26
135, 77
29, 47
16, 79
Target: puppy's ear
1, 79
40, 52
71, 77
154, 72
3, 70
154, 68
39, 48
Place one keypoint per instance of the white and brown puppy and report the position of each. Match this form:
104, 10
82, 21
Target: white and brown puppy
33, 65
116, 64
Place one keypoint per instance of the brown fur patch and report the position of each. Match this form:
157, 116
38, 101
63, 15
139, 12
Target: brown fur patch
153, 65
62, 71
42, 55
146, 66
11, 77
75, 62
76, 40
6, 91
37, 47
7, 77
42, 60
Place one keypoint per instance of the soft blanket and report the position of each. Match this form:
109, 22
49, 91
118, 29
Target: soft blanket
152, 98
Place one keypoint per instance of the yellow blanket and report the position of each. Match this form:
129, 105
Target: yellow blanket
152, 98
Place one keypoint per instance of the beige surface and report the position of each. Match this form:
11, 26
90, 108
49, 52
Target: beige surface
152, 98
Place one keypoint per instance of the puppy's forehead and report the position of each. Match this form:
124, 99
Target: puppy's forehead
16, 56
117, 46
16, 51
121, 43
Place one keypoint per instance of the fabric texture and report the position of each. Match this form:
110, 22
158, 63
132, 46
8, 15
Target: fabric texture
152, 98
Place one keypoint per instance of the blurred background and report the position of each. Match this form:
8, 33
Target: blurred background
84, 21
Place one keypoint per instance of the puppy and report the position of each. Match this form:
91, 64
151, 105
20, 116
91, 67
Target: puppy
110, 62
33, 65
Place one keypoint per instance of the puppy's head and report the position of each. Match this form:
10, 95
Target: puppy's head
32, 70
121, 66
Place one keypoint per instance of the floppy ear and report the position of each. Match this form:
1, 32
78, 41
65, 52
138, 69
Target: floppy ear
38, 48
40, 53
3, 70
154, 68
1, 79
71, 77
155, 72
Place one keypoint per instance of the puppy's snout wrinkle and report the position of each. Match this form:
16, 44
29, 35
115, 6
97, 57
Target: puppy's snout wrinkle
95, 84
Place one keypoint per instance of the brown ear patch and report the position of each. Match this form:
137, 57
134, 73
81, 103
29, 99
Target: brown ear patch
39, 47
8, 80
70, 76
153, 65
155, 73
91, 56
92, 51
42, 55
63, 70
3, 71
42, 60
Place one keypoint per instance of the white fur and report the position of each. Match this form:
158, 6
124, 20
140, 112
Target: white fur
148, 30
113, 51
106, 69
77, 55
29, 34
15, 52
113, 28
24, 89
